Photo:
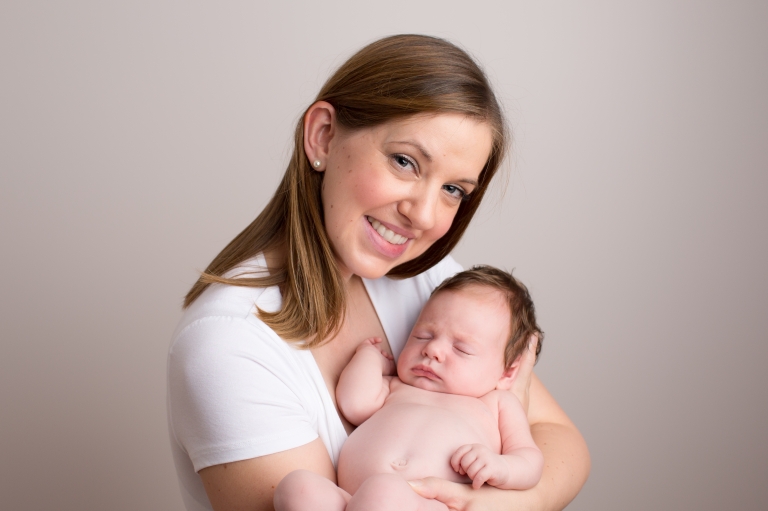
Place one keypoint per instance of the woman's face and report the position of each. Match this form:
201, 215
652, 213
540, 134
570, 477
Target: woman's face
391, 191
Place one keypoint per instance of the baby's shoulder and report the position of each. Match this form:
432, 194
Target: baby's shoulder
499, 399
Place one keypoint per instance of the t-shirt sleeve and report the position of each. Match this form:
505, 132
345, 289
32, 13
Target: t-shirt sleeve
235, 392
448, 267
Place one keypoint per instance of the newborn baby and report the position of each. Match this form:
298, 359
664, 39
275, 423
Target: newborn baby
447, 413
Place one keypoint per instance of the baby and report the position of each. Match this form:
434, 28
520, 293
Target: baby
447, 413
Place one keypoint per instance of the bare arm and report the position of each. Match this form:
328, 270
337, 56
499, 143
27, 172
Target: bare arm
520, 463
250, 484
566, 459
364, 384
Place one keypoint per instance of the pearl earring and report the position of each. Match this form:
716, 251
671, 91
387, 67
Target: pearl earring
317, 164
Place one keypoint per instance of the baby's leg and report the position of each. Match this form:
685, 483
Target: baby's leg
390, 492
302, 490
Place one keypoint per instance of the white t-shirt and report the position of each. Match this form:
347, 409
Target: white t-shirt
237, 391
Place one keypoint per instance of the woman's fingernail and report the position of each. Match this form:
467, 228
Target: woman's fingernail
415, 483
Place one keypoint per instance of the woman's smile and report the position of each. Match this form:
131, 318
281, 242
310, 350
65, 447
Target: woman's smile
378, 240
391, 191
388, 234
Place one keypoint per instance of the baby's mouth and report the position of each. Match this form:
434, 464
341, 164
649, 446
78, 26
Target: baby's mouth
422, 370
390, 236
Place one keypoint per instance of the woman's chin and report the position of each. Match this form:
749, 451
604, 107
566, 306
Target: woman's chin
374, 272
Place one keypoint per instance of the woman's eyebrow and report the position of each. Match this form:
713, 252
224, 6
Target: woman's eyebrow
428, 157
418, 146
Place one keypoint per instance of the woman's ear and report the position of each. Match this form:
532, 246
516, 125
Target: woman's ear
319, 129
508, 377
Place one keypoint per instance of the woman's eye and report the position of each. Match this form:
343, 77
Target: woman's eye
403, 161
456, 192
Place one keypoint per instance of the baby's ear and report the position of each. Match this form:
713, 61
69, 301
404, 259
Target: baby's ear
508, 377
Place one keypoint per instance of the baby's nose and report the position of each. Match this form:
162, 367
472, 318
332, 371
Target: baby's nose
434, 350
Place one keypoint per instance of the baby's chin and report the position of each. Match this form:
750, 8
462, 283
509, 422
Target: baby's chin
437, 386
423, 383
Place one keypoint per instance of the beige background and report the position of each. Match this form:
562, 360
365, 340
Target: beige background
139, 137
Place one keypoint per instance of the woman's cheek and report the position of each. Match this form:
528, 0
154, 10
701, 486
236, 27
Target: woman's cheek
444, 224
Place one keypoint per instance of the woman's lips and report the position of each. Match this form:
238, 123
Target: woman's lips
426, 372
381, 244
387, 233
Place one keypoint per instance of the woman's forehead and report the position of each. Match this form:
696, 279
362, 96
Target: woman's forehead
435, 136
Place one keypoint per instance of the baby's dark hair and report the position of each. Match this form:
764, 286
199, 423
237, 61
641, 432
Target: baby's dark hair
522, 313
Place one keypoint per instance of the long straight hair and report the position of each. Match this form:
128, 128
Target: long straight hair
391, 79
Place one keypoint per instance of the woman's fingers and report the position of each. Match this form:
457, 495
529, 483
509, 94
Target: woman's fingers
522, 384
453, 495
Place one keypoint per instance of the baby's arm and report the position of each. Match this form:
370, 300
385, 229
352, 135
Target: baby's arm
520, 463
364, 384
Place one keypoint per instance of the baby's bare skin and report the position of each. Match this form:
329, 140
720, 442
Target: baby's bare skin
416, 433
446, 414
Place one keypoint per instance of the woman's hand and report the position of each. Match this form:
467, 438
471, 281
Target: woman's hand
521, 387
462, 497
454, 495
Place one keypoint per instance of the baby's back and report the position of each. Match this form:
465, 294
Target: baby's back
415, 434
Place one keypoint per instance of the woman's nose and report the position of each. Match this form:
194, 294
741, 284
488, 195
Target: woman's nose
420, 208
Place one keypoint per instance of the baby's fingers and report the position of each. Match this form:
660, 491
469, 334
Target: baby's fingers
457, 456
478, 471
371, 341
481, 476
376, 342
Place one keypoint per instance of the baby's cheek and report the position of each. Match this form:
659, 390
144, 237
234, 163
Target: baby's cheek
400, 366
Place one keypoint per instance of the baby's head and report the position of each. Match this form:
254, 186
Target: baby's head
470, 335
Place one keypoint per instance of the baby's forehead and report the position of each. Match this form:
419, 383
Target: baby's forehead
473, 309
475, 291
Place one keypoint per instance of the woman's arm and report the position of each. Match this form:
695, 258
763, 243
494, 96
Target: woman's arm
566, 458
249, 485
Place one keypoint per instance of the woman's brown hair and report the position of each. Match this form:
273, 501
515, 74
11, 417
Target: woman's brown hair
390, 79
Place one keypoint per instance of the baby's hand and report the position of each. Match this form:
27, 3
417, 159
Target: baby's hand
480, 464
374, 344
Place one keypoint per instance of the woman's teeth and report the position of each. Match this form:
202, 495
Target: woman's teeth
385, 233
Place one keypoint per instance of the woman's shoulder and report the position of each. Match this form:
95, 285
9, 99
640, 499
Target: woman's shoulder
236, 305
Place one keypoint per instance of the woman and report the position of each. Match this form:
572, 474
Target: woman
390, 164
